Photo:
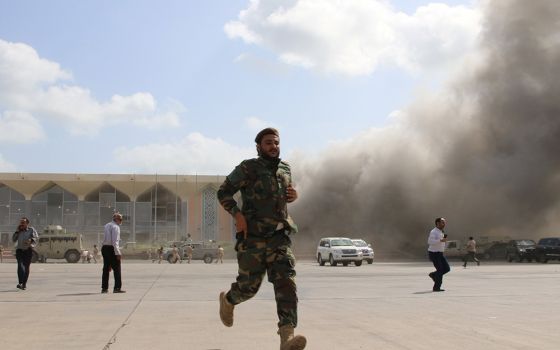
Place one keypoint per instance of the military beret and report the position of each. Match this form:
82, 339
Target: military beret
267, 131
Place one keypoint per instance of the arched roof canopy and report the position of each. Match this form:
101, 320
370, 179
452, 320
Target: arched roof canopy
53, 188
164, 195
106, 188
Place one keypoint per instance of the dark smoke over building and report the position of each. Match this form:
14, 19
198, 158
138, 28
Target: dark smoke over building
483, 152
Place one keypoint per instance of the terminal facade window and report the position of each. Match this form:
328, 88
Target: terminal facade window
156, 215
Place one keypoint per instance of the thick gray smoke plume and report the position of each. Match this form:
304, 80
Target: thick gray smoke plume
483, 153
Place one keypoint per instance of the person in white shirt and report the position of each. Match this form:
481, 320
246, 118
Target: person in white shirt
220, 256
112, 254
436, 246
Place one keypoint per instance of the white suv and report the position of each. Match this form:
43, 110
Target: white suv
338, 249
367, 251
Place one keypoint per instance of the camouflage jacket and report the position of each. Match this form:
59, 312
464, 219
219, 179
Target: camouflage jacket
263, 184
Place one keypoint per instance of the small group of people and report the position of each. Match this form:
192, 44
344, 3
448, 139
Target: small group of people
157, 256
88, 256
176, 254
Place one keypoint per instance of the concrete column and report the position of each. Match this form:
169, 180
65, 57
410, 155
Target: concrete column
81, 215
133, 220
28, 208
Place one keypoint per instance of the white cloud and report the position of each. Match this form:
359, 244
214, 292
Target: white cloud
194, 154
257, 124
6, 166
355, 37
39, 87
21, 68
19, 127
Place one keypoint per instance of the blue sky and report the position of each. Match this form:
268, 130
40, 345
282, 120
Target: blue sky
183, 86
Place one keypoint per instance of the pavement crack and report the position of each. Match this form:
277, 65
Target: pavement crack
126, 322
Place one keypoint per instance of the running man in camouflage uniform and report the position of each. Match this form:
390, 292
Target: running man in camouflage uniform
263, 229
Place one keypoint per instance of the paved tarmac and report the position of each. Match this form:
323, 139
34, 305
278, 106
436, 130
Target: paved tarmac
381, 306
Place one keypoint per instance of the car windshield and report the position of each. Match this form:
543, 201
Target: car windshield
526, 242
359, 243
341, 242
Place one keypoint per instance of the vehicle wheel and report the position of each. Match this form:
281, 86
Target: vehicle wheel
529, 260
34, 257
509, 258
544, 261
345, 263
358, 263
72, 256
331, 260
208, 259
170, 259
320, 260
370, 261
519, 258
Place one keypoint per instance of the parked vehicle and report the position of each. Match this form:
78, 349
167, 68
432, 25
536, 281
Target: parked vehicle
495, 251
55, 243
455, 249
132, 250
338, 249
521, 249
367, 250
548, 249
201, 251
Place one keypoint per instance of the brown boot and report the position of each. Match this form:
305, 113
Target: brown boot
290, 342
226, 310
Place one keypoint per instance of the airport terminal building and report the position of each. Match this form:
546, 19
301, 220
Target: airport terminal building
155, 208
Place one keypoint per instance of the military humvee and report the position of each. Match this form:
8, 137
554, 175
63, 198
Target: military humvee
55, 243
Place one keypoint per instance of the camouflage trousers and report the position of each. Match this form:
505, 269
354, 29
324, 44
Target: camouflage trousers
273, 256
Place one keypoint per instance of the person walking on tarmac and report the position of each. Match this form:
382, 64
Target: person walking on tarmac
175, 256
220, 255
471, 253
26, 238
95, 253
112, 254
263, 227
189, 252
160, 254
